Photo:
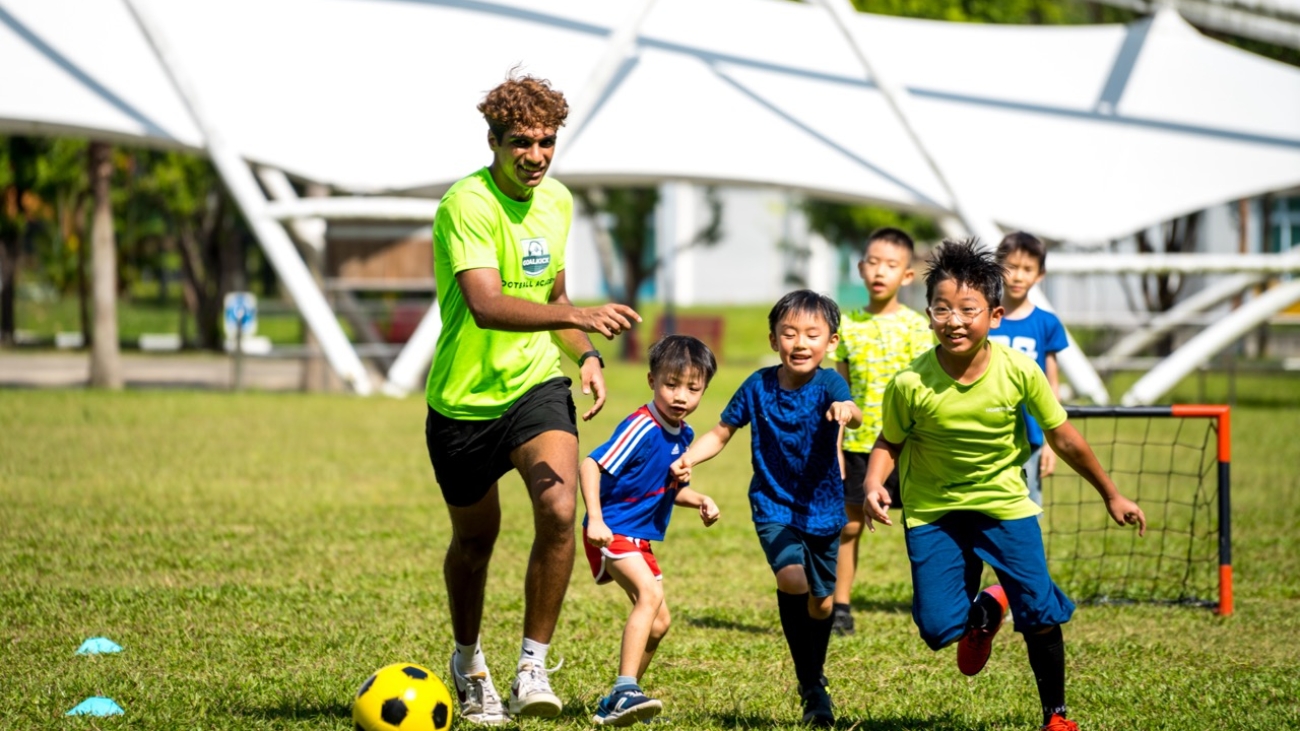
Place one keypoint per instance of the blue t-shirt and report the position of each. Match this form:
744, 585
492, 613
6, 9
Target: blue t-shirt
797, 478
1037, 334
636, 489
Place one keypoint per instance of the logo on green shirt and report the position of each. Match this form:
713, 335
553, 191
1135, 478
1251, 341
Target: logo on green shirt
536, 256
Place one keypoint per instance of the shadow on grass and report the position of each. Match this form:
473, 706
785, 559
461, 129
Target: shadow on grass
712, 622
944, 722
300, 712
881, 605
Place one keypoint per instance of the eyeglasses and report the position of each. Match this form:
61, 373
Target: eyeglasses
944, 314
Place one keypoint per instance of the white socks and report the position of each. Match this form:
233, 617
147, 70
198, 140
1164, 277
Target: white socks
469, 659
533, 651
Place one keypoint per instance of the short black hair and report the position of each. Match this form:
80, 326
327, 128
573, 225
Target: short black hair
968, 264
679, 354
1024, 242
804, 301
894, 236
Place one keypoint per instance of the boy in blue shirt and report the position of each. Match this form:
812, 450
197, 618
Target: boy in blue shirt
796, 496
1033, 331
629, 493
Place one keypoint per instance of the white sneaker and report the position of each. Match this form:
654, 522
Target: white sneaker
479, 702
531, 695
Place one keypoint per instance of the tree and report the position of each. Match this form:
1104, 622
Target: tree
105, 359
848, 226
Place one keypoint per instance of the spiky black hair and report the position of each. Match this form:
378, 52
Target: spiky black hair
968, 264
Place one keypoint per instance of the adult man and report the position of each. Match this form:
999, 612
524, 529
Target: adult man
497, 397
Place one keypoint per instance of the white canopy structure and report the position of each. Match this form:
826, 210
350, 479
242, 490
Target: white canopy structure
1078, 133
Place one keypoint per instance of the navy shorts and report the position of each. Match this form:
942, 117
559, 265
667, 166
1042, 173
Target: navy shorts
786, 546
947, 558
470, 456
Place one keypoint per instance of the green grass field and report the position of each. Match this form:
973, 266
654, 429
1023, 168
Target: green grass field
258, 555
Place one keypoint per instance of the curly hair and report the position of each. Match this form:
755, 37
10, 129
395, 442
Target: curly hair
523, 102
969, 265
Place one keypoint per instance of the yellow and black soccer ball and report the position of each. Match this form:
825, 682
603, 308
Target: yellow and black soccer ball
402, 697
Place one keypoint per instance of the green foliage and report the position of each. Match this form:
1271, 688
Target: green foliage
1043, 12
850, 225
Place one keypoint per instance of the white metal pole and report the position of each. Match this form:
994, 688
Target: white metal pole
1159, 380
1074, 364
1178, 314
620, 46
270, 234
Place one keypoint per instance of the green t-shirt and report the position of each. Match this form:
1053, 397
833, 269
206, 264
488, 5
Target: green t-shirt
875, 347
964, 444
477, 374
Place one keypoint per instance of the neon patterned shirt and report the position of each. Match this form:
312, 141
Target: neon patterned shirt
637, 492
876, 347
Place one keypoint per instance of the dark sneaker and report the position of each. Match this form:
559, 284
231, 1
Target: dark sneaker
817, 710
974, 648
1059, 723
842, 621
625, 706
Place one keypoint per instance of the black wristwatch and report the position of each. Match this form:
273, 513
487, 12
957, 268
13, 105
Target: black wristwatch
591, 354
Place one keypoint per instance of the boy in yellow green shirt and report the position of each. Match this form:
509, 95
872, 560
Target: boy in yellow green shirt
876, 342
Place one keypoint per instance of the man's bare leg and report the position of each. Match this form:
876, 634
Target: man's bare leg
474, 532
549, 465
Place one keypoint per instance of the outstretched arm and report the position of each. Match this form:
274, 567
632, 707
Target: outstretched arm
574, 343
846, 413
704, 449
688, 498
884, 455
1071, 447
493, 309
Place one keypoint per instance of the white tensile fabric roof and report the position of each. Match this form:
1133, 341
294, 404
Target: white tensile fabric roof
1080, 133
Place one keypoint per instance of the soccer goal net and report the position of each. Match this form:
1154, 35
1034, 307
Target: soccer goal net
1174, 461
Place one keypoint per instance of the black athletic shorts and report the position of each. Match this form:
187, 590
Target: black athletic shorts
855, 477
470, 456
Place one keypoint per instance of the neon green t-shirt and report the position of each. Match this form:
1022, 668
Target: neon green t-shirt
875, 347
477, 374
964, 444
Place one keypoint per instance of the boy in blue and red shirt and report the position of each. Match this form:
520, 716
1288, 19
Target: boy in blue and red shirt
630, 493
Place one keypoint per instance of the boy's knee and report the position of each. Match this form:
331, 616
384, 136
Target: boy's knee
663, 621
819, 607
939, 634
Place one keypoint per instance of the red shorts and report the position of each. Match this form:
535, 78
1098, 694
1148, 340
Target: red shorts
620, 547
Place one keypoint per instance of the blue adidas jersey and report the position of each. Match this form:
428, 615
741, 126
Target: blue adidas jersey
797, 479
636, 489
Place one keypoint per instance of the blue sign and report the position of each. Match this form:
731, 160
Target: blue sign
241, 314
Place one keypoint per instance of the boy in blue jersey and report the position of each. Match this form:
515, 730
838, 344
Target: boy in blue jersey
629, 493
1033, 331
796, 497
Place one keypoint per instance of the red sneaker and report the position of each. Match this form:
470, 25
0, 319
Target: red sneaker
1059, 723
974, 648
